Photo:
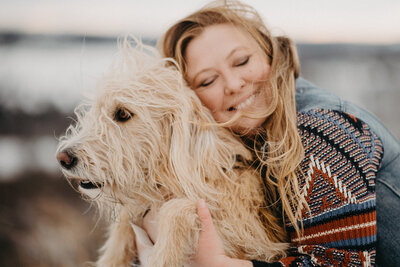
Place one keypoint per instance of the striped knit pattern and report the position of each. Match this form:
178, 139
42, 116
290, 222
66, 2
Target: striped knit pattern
342, 157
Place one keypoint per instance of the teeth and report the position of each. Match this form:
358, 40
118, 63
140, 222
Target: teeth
246, 103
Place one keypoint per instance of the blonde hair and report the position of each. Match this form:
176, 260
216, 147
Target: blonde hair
285, 150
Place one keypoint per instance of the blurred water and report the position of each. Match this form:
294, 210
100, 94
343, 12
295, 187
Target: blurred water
20, 156
363, 74
11, 156
38, 72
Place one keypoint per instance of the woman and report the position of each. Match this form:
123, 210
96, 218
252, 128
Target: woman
314, 179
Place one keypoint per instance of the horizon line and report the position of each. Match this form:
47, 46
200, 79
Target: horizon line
11, 36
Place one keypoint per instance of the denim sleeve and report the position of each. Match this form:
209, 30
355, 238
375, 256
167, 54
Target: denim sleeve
309, 96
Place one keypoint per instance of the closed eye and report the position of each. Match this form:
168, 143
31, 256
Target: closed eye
207, 82
243, 62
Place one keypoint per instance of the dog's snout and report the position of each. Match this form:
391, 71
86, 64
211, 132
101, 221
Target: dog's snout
66, 159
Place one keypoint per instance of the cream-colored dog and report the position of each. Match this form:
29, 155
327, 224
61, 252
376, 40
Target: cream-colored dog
146, 141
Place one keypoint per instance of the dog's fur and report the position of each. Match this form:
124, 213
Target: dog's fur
169, 154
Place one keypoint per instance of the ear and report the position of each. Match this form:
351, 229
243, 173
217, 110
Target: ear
200, 150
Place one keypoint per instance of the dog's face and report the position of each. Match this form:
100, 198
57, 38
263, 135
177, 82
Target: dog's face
121, 139
145, 137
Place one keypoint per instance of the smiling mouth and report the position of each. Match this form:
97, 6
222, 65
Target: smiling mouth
245, 103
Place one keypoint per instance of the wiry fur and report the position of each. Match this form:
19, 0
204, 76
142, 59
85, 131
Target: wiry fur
167, 156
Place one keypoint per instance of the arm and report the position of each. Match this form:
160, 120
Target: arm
309, 96
342, 157
210, 252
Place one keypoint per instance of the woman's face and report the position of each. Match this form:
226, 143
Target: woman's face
227, 69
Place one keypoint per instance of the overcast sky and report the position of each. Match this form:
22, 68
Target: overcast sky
357, 21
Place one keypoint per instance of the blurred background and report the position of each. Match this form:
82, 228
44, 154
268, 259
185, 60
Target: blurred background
51, 52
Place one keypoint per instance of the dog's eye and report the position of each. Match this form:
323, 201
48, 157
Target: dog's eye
122, 115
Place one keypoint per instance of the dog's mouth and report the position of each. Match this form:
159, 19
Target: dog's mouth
86, 184
87, 187
83, 183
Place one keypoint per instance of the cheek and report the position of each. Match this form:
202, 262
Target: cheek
211, 99
263, 72
260, 70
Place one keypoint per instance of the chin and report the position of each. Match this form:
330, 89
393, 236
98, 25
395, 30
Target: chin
247, 126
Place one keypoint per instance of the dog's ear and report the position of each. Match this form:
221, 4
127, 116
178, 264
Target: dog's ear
200, 150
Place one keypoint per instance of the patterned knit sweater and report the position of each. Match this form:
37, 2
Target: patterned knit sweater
342, 157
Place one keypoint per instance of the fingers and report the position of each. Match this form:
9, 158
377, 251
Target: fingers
204, 214
143, 245
150, 224
208, 236
208, 231
210, 251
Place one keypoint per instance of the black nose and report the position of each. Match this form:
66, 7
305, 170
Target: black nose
67, 159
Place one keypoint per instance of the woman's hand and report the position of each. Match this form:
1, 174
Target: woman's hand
146, 235
210, 251
150, 224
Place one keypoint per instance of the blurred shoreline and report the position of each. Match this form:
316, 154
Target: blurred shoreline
12, 38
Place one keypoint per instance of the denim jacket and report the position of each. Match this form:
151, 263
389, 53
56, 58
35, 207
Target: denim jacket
308, 96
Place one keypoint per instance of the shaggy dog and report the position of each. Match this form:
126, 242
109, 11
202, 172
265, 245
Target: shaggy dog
146, 141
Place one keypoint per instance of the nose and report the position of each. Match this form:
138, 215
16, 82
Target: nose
233, 84
66, 159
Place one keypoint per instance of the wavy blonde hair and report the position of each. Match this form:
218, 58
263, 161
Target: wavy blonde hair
141, 143
285, 150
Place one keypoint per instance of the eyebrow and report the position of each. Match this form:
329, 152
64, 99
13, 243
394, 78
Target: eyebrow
234, 50
228, 56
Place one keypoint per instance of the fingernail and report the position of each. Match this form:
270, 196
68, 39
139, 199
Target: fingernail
202, 203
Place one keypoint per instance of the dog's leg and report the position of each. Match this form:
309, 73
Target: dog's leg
177, 234
119, 249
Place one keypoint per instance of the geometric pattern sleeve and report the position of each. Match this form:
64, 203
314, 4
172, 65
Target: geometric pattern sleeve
337, 179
